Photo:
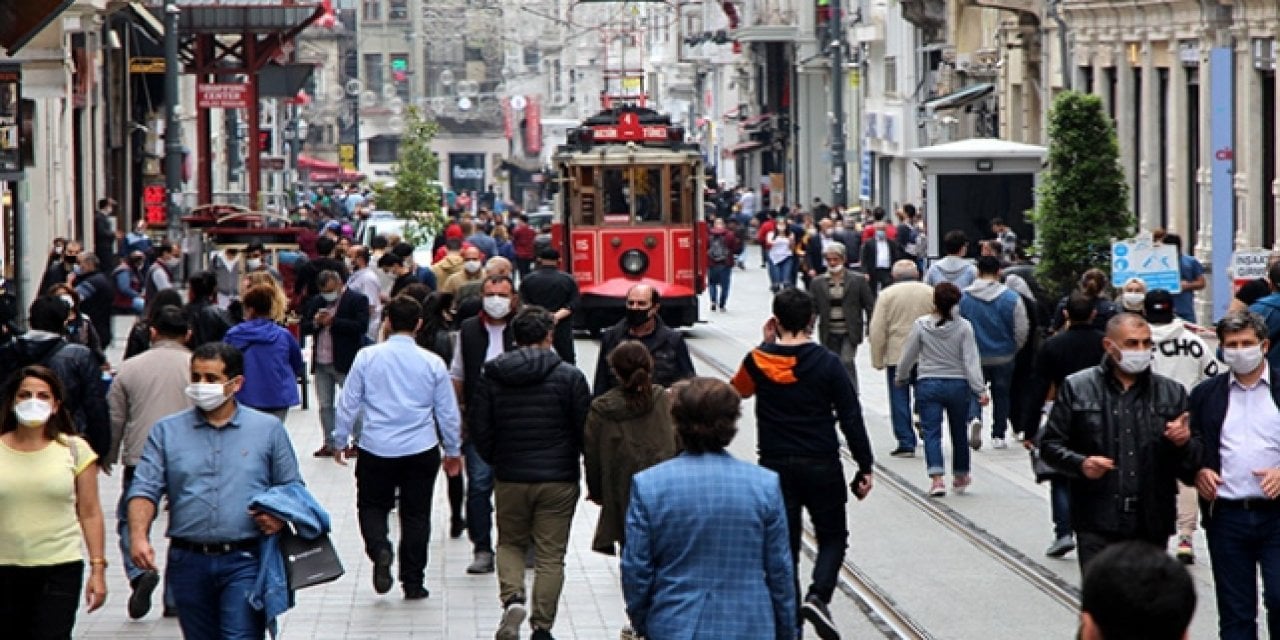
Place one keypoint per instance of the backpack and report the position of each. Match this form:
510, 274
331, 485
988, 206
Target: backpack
718, 251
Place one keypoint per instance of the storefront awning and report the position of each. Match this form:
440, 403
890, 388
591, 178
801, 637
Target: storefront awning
961, 98
21, 20
746, 147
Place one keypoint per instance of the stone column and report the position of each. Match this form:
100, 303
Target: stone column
1178, 144
1204, 161
1247, 152
1150, 168
1125, 120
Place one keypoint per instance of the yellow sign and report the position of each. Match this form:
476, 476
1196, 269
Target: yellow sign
347, 156
855, 78
631, 84
146, 65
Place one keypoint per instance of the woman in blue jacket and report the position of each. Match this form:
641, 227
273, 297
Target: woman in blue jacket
272, 357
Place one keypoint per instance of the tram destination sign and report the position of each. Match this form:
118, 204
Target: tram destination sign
629, 129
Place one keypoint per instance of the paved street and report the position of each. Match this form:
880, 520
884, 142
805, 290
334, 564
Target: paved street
952, 588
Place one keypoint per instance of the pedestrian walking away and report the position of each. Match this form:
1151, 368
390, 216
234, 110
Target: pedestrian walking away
1120, 432
802, 393
896, 310
218, 448
273, 360
1000, 327
527, 422
696, 572
722, 246
404, 393
550, 288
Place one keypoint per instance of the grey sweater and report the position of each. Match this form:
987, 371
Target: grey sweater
947, 351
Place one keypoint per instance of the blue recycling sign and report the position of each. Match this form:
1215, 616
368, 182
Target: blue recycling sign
1155, 264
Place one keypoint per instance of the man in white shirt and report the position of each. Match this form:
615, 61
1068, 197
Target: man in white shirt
364, 280
1236, 417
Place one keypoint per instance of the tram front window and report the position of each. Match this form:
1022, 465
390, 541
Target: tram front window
632, 195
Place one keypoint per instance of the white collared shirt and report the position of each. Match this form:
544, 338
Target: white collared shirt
1250, 438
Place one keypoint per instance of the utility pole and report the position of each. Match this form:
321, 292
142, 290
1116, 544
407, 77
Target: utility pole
839, 177
172, 127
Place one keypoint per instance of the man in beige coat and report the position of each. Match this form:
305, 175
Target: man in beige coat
148, 387
842, 301
896, 310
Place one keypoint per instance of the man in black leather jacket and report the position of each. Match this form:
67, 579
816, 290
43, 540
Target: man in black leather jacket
1121, 434
527, 422
671, 361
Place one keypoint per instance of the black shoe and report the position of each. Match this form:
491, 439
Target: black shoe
140, 600
170, 612
541, 634
416, 592
903, 452
457, 527
382, 572
816, 612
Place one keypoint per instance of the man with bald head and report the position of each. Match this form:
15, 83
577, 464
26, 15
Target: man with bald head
671, 361
1120, 432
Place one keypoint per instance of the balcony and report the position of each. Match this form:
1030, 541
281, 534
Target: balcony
929, 15
769, 21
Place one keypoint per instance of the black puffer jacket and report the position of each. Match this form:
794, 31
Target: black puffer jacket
81, 375
528, 417
1092, 416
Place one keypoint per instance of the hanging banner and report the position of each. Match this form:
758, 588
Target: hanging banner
533, 126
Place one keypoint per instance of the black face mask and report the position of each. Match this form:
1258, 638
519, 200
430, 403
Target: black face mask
70, 259
637, 317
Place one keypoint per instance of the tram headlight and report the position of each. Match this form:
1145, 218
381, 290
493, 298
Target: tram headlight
634, 262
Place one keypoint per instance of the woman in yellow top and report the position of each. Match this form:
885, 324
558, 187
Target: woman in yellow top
48, 499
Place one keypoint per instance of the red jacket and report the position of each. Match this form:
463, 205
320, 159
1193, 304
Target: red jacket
522, 239
762, 234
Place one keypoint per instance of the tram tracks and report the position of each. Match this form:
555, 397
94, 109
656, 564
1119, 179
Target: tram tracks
889, 617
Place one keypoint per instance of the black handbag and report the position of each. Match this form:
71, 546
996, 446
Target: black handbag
1042, 470
308, 563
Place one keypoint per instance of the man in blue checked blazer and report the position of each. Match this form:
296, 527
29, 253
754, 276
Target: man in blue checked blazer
706, 553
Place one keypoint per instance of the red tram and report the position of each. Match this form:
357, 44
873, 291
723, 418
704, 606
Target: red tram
630, 202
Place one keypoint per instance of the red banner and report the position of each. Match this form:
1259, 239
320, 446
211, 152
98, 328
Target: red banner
222, 96
533, 127
506, 117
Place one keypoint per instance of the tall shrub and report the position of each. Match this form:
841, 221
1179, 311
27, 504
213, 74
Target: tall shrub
415, 195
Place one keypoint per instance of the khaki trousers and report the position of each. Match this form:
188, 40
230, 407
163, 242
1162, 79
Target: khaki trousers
539, 515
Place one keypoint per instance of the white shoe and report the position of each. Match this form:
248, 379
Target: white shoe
999, 443
975, 434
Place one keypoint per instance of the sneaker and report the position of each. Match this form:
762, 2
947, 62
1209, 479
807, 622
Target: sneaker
961, 483
1061, 547
815, 611
416, 592
324, 452
938, 488
975, 434
482, 562
903, 452
628, 633
457, 527
1186, 552
513, 615
713, 307
999, 443
140, 600
382, 572
542, 634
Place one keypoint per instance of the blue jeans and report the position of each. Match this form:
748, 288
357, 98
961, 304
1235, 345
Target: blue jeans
1242, 543
999, 378
718, 283
479, 499
900, 409
212, 593
933, 396
780, 273
1060, 506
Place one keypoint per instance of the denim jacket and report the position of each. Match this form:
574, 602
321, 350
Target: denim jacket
295, 505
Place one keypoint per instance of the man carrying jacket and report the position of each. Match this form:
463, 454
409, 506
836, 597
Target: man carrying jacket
527, 422
1121, 433
671, 361
337, 317
999, 321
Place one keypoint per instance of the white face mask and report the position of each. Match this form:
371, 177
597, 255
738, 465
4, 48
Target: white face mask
471, 266
497, 307
32, 412
253, 263
71, 302
1243, 360
1132, 300
836, 268
207, 395
329, 296
1135, 362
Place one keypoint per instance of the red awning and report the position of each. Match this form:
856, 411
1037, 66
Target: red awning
316, 164
746, 147
336, 177
755, 121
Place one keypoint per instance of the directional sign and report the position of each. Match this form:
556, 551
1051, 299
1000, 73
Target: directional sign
1154, 264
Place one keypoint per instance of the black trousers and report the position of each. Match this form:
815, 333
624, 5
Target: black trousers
816, 485
1089, 544
377, 481
457, 496
39, 603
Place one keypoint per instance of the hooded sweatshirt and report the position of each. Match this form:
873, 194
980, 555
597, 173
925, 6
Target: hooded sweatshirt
1182, 355
528, 416
798, 388
945, 351
999, 320
272, 364
953, 269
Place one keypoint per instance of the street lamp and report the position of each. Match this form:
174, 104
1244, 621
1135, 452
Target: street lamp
296, 133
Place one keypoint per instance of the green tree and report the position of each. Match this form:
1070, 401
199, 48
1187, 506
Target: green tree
416, 196
1082, 201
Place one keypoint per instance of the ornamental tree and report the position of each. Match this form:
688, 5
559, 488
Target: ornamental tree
416, 195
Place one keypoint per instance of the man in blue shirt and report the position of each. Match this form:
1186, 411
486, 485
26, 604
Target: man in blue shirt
405, 394
1192, 275
211, 461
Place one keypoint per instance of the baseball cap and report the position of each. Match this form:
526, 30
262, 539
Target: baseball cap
1158, 306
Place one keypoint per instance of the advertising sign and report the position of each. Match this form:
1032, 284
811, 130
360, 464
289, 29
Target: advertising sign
222, 96
10, 123
1155, 264
466, 172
